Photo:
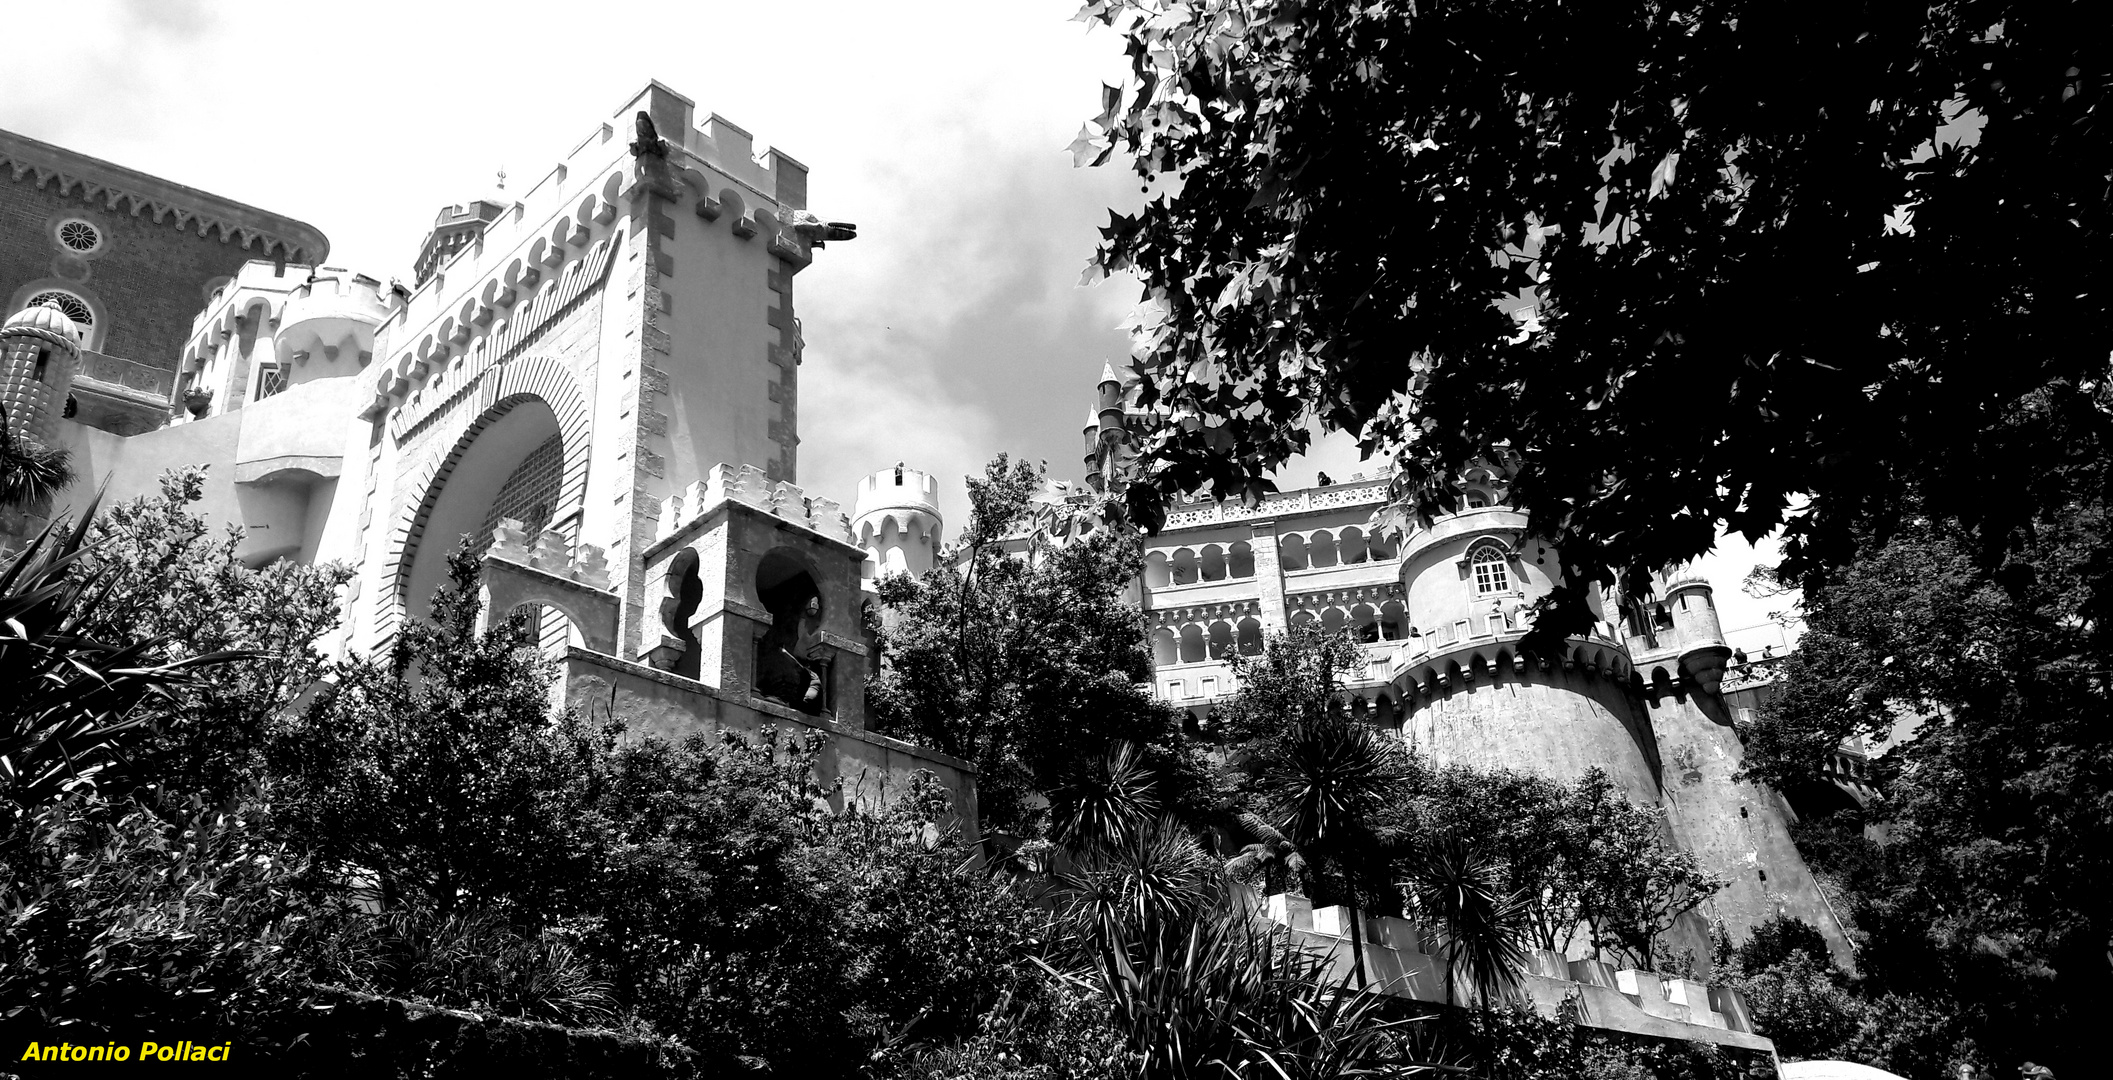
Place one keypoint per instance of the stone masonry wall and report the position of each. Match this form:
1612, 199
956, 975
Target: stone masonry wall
149, 278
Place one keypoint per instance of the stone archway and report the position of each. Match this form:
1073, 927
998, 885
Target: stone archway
505, 415
461, 495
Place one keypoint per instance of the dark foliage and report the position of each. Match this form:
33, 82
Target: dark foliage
1768, 248
1026, 660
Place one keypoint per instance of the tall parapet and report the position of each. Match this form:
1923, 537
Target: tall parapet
1407, 960
897, 521
40, 350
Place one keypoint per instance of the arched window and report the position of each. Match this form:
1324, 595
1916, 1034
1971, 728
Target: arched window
1291, 552
1164, 649
75, 308
1365, 623
1158, 575
1212, 563
1492, 573
1192, 644
1320, 550
1350, 546
1184, 566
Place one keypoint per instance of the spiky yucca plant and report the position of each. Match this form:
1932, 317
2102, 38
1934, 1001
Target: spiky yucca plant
1460, 893
68, 714
30, 474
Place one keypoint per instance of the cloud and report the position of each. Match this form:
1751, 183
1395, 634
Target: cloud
860, 413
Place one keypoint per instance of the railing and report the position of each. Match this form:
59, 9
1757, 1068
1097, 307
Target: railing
1760, 672
1368, 493
129, 374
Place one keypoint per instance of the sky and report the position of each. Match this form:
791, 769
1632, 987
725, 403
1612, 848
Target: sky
951, 330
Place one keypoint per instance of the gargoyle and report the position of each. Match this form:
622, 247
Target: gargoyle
649, 143
817, 231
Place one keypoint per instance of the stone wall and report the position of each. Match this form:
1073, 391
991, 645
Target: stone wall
875, 770
163, 244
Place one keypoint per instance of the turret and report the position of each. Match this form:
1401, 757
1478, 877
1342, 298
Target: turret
40, 350
1111, 406
1693, 606
328, 324
454, 228
896, 519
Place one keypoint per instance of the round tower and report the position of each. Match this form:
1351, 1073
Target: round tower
40, 350
1692, 606
1468, 694
896, 519
328, 326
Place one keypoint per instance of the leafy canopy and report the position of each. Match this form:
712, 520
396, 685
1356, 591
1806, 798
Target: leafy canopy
1022, 658
1752, 267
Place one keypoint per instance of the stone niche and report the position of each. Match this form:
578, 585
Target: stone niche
753, 588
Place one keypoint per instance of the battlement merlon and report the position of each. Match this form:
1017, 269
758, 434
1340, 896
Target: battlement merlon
684, 514
720, 145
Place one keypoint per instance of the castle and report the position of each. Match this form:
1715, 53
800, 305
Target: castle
1438, 614
598, 382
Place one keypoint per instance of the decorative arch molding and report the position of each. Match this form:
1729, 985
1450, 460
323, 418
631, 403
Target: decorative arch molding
498, 391
121, 190
1504, 541
92, 334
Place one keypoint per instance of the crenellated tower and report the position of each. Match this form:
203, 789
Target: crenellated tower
897, 521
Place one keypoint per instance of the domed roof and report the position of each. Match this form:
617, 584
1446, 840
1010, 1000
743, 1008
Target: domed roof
48, 318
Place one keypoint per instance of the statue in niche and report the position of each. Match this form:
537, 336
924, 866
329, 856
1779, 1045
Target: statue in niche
792, 656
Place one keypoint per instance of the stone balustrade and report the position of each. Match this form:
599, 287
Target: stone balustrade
159, 383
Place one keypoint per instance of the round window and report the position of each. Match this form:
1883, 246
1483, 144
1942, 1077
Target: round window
74, 307
80, 236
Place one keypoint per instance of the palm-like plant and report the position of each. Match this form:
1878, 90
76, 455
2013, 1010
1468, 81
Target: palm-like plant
30, 474
1229, 999
1272, 862
1156, 883
1460, 893
1332, 787
69, 711
1109, 803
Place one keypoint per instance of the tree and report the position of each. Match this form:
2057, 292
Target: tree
1738, 243
440, 775
73, 707
176, 580
1027, 664
1578, 856
1482, 927
1989, 882
129, 920
1327, 787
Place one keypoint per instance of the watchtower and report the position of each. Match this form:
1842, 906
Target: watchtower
897, 521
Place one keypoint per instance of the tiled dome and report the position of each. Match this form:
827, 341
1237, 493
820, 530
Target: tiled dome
46, 317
